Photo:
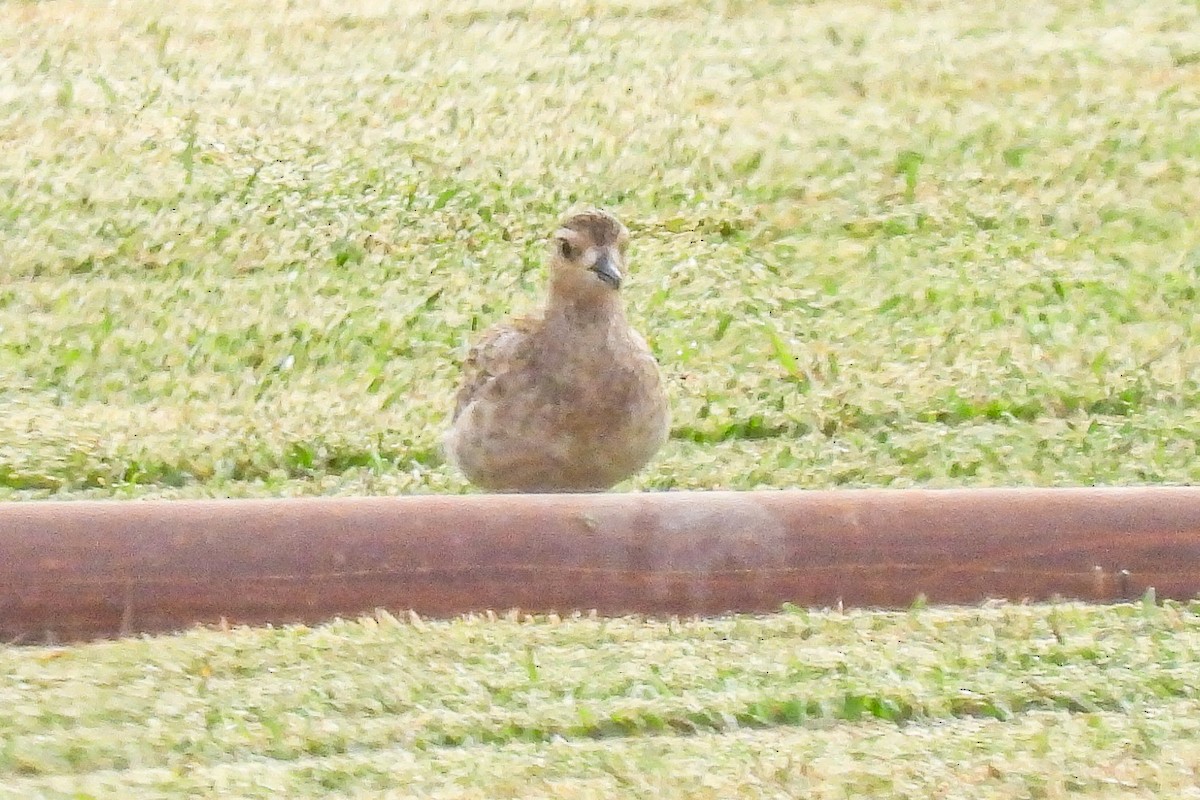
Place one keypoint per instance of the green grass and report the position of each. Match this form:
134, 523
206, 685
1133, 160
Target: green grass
1004, 701
243, 247
875, 244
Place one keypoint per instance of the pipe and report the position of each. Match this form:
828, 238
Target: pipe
83, 569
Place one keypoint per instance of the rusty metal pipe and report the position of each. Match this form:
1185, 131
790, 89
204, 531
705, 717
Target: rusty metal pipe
77, 570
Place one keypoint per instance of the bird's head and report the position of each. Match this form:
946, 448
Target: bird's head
588, 257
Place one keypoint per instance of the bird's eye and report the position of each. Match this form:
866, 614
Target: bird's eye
564, 247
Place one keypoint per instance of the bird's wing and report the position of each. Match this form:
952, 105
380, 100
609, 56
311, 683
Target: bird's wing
498, 349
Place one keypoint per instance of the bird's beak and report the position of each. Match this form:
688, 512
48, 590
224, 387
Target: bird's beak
606, 269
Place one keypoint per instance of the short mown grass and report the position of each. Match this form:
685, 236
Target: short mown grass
1004, 701
875, 244
243, 247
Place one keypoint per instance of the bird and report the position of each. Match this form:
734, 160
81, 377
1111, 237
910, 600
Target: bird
571, 400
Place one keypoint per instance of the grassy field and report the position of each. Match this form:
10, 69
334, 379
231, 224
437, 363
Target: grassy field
1001, 702
875, 244
243, 246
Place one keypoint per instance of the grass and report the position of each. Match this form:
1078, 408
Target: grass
1003, 701
243, 247
876, 244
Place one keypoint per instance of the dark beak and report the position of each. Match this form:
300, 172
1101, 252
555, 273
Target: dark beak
607, 271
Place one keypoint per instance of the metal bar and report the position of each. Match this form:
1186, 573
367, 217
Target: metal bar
78, 570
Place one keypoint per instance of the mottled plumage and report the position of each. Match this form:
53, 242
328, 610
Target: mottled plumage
568, 401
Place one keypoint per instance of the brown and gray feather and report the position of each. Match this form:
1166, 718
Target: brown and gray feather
571, 400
